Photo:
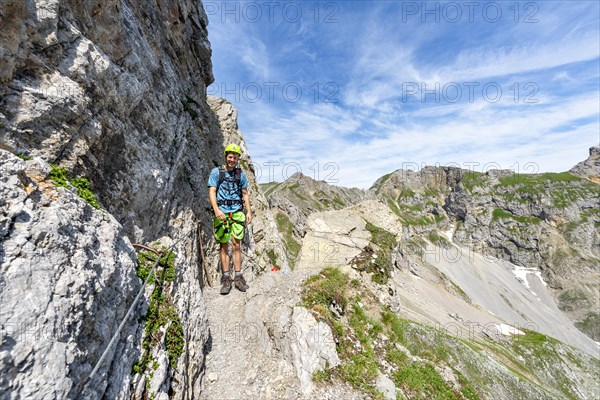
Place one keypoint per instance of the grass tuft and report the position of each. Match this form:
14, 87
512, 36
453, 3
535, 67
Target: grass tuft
61, 177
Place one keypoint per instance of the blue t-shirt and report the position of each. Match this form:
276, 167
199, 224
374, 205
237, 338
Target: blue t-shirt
229, 189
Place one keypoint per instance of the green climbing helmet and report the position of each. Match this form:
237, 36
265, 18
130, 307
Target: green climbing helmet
233, 148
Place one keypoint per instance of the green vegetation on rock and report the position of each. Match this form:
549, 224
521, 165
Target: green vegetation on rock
365, 342
545, 356
533, 179
406, 194
381, 266
24, 157
472, 179
500, 214
379, 184
161, 311
431, 192
294, 189
270, 187
273, 257
286, 228
328, 287
428, 363
174, 341
435, 238
590, 325
61, 177
394, 207
424, 220
563, 188
570, 300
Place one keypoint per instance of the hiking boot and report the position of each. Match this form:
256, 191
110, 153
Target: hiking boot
226, 284
240, 283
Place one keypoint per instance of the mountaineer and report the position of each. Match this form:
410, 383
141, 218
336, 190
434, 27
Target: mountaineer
228, 195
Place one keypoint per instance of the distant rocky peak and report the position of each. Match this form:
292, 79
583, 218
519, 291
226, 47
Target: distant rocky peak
428, 178
299, 176
589, 168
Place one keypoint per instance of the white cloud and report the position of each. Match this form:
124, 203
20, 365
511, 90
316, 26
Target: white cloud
481, 63
510, 139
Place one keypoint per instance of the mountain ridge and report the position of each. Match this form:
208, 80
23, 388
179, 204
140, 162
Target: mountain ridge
536, 221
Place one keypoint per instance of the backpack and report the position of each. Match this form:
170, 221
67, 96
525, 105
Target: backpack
237, 177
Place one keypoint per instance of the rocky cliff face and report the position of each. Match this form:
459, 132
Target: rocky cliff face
546, 223
113, 91
67, 279
589, 168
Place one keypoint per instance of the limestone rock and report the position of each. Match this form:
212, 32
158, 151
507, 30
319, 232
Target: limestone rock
155, 386
312, 346
333, 239
293, 200
386, 386
67, 280
379, 214
116, 92
547, 222
590, 168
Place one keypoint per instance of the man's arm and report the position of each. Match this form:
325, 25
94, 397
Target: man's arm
212, 196
247, 205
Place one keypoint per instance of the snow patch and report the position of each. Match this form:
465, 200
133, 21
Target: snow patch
450, 232
521, 275
508, 330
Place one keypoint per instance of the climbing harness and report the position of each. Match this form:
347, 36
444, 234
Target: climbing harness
237, 179
232, 225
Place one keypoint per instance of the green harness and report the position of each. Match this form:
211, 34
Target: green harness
233, 225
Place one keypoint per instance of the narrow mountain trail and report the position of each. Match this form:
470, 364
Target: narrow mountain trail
242, 360
263, 344
253, 352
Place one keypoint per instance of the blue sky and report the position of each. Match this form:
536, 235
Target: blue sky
347, 91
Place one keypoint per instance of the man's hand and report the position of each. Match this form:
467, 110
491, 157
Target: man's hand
220, 215
248, 217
